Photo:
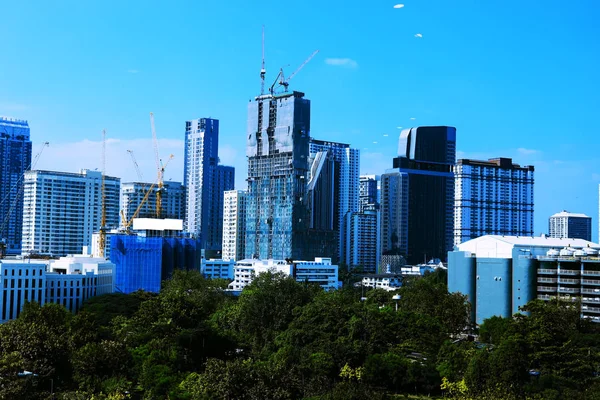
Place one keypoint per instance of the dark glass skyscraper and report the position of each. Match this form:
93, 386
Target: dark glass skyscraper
15, 159
417, 200
278, 218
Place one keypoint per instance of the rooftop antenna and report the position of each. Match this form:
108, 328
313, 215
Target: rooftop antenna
263, 71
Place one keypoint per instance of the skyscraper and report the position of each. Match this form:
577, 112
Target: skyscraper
566, 225
62, 210
362, 238
205, 181
417, 195
278, 219
492, 197
333, 189
234, 225
15, 159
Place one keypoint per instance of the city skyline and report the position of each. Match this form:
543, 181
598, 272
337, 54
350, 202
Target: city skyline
540, 106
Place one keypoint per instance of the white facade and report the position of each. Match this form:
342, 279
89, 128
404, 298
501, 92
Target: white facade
234, 225
68, 281
320, 271
492, 197
362, 235
495, 246
62, 210
388, 282
133, 193
570, 225
214, 269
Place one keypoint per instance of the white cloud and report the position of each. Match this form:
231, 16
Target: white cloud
399, 127
399, 6
419, 35
374, 142
412, 118
385, 134
341, 62
132, 71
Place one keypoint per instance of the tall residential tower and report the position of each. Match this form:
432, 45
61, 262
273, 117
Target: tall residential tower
493, 197
565, 225
234, 225
205, 181
15, 159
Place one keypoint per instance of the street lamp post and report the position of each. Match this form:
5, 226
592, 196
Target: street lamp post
396, 298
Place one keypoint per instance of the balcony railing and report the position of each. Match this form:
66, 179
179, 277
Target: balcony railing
590, 291
588, 272
568, 281
543, 271
589, 309
568, 290
569, 272
595, 282
547, 280
545, 297
546, 289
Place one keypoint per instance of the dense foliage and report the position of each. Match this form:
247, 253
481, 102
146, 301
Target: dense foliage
286, 340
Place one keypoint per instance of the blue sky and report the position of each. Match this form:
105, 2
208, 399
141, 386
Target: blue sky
516, 78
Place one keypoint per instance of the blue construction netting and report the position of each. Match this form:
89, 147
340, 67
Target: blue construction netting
143, 263
138, 262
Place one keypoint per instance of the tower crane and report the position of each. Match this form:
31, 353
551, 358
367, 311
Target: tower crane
281, 79
141, 179
21, 187
263, 71
137, 167
160, 169
102, 240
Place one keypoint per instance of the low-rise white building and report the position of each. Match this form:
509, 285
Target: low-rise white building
320, 271
389, 282
215, 269
68, 281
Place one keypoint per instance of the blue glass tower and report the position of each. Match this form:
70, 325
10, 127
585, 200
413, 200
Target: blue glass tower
15, 159
205, 182
278, 222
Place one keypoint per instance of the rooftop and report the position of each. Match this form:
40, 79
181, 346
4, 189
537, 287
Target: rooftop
565, 213
500, 162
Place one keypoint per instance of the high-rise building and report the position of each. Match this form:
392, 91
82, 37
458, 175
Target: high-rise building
369, 191
362, 235
333, 189
565, 225
417, 195
15, 159
234, 225
278, 221
205, 181
492, 197
172, 205
62, 210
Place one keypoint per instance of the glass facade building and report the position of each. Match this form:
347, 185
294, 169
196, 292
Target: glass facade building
418, 195
278, 220
15, 159
205, 182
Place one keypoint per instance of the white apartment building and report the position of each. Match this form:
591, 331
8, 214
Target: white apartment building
362, 235
68, 281
62, 210
133, 193
234, 225
320, 271
570, 225
493, 197
214, 269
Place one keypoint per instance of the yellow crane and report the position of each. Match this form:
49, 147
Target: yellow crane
102, 240
160, 169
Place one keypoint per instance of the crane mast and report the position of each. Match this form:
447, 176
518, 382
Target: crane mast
263, 71
102, 240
